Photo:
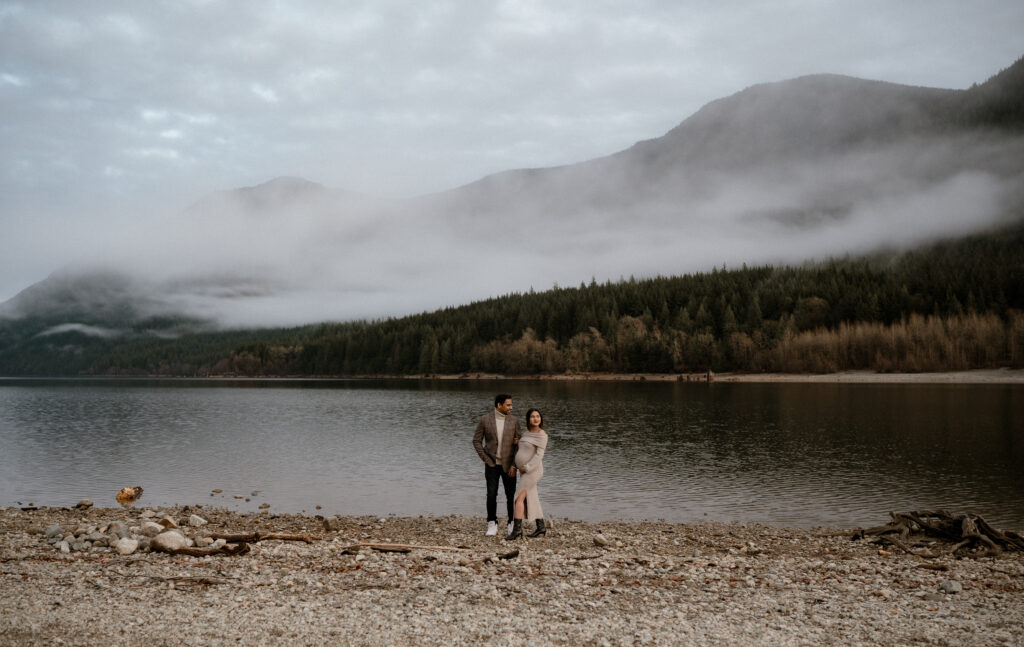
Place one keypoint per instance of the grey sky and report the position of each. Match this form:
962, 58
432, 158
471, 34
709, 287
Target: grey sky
119, 114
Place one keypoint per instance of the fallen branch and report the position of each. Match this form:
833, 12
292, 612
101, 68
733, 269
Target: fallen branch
251, 537
394, 548
189, 580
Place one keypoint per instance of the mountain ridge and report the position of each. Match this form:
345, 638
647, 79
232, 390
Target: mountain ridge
794, 159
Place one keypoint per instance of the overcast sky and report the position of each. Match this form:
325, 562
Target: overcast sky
117, 114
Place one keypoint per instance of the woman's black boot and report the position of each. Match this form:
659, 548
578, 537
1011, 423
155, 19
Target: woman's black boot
541, 530
517, 530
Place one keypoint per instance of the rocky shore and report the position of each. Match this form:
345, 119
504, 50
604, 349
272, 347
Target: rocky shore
72, 576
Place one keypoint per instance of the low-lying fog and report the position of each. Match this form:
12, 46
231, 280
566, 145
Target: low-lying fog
290, 252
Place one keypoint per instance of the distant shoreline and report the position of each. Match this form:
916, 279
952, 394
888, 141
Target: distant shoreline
983, 376
988, 376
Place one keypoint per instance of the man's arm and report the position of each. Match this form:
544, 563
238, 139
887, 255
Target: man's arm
478, 443
517, 433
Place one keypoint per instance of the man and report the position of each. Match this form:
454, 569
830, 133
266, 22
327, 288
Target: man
495, 440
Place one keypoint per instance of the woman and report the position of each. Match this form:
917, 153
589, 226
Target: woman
529, 461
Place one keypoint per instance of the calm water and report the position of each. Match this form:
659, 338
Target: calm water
786, 454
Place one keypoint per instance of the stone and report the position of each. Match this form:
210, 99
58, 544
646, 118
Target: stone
147, 514
951, 587
195, 521
170, 541
601, 540
151, 529
168, 522
332, 524
203, 542
126, 546
84, 504
64, 547
54, 531
116, 527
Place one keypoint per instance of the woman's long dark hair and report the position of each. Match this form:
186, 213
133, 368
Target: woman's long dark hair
530, 413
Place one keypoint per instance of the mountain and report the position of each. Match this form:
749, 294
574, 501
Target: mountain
811, 167
825, 126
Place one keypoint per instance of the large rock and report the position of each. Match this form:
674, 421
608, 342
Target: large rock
195, 521
126, 546
169, 541
151, 528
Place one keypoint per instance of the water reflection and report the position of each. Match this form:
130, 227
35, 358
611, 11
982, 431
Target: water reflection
801, 454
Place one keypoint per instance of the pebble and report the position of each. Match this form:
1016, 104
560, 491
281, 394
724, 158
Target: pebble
951, 586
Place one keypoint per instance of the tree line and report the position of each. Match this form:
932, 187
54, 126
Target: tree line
951, 306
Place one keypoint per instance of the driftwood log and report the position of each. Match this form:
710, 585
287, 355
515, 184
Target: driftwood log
937, 533
250, 537
230, 550
239, 543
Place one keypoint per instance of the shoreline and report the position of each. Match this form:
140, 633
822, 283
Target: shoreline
609, 583
981, 376
978, 376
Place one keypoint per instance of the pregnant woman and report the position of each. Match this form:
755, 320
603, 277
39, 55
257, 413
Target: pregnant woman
529, 460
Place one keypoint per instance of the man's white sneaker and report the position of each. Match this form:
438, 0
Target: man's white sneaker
509, 531
492, 528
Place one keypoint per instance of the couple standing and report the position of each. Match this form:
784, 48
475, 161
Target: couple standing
504, 449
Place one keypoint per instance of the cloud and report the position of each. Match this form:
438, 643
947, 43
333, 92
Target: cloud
88, 331
117, 116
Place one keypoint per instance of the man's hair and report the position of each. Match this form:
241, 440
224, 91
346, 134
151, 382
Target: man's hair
501, 397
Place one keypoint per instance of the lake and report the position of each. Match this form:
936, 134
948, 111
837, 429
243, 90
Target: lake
786, 454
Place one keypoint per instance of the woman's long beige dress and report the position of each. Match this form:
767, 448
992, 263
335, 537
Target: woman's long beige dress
530, 462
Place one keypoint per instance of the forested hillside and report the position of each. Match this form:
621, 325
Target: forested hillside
951, 306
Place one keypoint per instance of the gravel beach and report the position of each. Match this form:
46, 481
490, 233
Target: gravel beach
624, 583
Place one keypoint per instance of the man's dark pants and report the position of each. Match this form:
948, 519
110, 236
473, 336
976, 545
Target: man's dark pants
494, 474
